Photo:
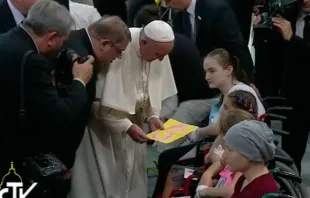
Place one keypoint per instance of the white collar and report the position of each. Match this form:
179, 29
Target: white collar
18, 16
31, 38
191, 7
302, 15
89, 37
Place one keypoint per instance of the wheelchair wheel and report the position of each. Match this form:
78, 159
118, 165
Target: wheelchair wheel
285, 187
301, 191
281, 152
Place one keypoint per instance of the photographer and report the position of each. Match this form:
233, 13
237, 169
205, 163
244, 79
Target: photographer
46, 115
295, 33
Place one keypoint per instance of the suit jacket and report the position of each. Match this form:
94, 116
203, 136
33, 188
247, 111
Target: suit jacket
112, 7
243, 10
80, 43
7, 20
47, 114
216, 27
188, 72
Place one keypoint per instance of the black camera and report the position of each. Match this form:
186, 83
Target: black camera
63, 71
73, 56
274, 8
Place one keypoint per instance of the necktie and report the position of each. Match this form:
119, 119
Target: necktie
187, 26
306, 31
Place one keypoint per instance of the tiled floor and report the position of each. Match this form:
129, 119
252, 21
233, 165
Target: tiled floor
152, 153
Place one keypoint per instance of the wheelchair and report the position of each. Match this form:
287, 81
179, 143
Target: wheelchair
289, 184
282, 166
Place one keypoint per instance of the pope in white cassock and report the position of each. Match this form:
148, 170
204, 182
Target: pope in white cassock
111, 160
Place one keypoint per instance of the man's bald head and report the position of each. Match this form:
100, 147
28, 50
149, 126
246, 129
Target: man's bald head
110, 37
156, 40
111, 27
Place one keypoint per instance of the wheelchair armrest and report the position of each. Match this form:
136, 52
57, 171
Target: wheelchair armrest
282, 108
274, 98
188, 181
276, 116
274, 101
284, 160
277, 195
286, 175
279, 132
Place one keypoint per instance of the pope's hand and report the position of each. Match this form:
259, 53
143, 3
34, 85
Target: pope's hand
156, 124
137, 134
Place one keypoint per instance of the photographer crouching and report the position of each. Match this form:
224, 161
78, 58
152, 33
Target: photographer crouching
290, 58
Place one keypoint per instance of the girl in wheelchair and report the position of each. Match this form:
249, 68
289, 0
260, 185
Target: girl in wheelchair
248, 146
237, 100
223, 73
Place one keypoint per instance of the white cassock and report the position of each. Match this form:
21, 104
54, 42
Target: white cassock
114, 166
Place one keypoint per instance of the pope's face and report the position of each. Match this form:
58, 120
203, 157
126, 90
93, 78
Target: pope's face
151, 50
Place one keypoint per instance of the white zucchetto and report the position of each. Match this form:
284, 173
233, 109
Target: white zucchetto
159, 31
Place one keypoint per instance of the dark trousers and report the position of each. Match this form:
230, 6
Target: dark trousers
295, 143
165, 161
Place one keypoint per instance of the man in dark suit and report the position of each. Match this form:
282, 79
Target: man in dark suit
13, 12
105, 39
243, 10
212, 24
295, 31
43, 31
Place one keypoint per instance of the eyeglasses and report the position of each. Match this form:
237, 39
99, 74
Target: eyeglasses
118, 50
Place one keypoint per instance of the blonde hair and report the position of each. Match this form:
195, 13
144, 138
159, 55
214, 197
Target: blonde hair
232, 117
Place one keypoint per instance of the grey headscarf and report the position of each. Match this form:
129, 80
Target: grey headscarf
253, 139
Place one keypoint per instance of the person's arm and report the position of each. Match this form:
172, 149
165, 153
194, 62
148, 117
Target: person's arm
225, 191
42, 98
211, 157
210, 130
118, 122
229, 37
114, 120
211, 172
300, 44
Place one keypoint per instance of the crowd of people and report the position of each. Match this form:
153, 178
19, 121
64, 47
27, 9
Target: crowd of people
82, 88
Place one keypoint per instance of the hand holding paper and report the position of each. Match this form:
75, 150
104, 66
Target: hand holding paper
156, 124
173, 130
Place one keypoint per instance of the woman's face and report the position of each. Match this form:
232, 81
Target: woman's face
235, 161
216, 75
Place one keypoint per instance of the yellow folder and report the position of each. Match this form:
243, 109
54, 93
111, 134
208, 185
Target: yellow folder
173, 130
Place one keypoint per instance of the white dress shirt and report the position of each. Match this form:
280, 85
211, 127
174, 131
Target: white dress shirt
300, 24
83, 15
192, 17
18, 16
